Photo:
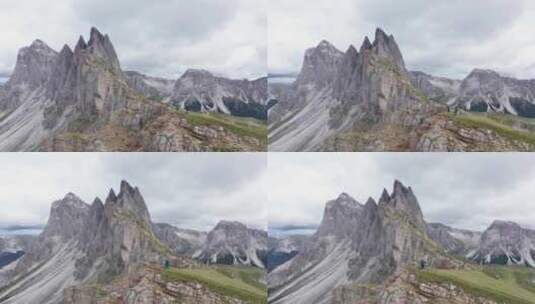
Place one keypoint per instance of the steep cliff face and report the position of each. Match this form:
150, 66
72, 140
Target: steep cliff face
357, 244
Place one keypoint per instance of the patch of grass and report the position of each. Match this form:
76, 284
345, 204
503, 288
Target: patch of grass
470, 120
497, 283
238, 125
223, 280
249, 275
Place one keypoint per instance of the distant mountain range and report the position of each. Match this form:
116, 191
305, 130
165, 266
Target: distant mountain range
380, 244
367, 100
105, 242
81, 100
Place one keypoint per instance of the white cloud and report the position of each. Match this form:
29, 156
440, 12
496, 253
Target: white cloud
189, 190
161, 38
463, 190
447, 38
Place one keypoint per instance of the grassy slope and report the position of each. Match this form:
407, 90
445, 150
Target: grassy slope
235, 282
238, 125
500, 123
502, 284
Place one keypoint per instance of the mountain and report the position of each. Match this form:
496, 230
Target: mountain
459, 242
366, 99
154, 88
201, 91
81, 100
336, 92
358, 244
488, 91
233, 243
439, 89
506, 243
84, 243
182, 241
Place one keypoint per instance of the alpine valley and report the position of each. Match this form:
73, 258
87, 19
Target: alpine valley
384, 252
81, 100
368, 100
112, 252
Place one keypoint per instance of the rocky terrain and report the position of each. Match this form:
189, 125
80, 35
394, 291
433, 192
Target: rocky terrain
107, 252
233, 243
80, 100
367, 100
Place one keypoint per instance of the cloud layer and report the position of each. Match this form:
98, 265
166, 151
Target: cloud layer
463, 190
189, 190
448, 38
160, 38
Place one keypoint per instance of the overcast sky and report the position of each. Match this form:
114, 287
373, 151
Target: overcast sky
160, 38
189, 190
446, 38
468, 190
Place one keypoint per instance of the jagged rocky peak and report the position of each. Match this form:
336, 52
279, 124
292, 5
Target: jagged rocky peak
66, 217
386, 46
129, 200
403, 200
340, 216
366, 45
320, 65
34, 65
101, 46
